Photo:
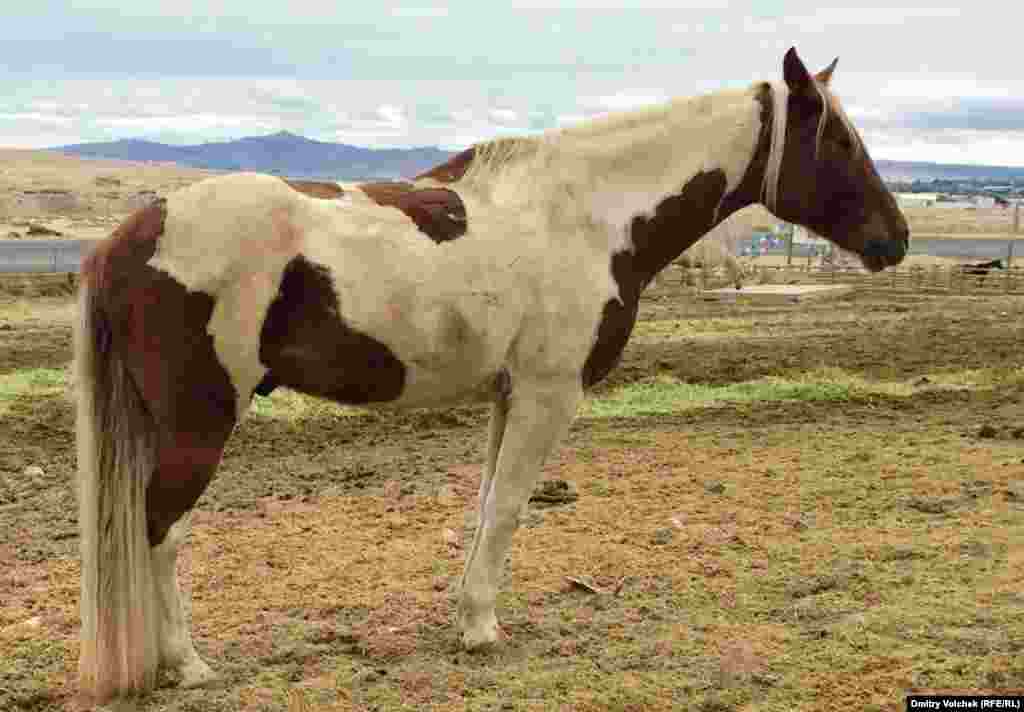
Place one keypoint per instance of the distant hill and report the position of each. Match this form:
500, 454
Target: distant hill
282, 153
918, 170
295, 156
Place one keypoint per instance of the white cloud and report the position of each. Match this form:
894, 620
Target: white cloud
825, 18
623, 100
943, 88
391, 114
419, 12
503, 116
563, 120
187, 123
462, 115
38, 118
959, 146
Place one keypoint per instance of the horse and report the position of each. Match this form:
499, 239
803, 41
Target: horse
510, 274
715, 258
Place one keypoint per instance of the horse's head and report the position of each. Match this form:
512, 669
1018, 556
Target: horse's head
823, 178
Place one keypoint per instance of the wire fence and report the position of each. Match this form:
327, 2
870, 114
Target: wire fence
63, 257
42, 256
937, 279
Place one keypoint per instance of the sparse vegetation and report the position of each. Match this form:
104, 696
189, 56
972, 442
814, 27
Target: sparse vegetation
780, 508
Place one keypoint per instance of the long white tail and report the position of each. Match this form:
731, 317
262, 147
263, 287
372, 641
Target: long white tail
116, 456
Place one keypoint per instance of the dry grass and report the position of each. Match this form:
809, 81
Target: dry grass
104, 190
982, 222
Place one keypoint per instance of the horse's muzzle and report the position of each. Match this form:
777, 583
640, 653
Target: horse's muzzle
890, 251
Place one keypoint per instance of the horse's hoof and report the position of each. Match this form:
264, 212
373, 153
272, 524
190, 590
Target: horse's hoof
483, 641
196, 674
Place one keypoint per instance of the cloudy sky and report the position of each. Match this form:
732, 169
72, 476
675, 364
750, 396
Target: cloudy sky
924, 81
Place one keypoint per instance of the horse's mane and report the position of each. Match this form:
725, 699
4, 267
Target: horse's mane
597, 139
491, 157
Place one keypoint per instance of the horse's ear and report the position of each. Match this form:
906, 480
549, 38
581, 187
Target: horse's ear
795, 73
825, 75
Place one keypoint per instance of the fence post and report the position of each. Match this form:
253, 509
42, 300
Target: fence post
1009, 246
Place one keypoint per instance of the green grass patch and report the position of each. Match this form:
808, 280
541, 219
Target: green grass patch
288, 405
664, 395
33, 382
660, 329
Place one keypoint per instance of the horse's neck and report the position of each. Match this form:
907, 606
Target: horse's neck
658, 186
599, 178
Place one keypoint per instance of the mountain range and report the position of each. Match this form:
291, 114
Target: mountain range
282, 153
295, 156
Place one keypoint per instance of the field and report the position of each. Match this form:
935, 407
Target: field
938, 221
776, 508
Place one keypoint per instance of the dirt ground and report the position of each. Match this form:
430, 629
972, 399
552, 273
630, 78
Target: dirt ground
784, 555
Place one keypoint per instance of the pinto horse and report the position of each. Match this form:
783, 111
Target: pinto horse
511, 273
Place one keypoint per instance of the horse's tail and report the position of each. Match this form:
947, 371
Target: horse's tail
116, 456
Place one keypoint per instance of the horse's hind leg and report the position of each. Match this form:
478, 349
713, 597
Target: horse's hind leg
176, 649
538, 415
192, 402
495, 434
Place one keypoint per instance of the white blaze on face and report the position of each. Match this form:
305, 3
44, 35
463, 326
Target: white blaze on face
231, 237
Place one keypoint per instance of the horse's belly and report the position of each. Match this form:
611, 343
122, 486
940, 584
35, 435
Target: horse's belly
449, 353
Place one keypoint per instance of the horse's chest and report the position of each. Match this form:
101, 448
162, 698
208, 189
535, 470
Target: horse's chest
613, 331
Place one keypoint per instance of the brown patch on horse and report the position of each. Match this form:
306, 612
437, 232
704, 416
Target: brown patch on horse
158, 329
451, 170
316, 189
307, 346
136, 236
678, 220
438, 212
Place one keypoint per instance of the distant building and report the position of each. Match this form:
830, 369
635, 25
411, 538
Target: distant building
803, 236
917, 200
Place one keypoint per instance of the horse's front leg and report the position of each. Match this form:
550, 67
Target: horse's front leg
539, 412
